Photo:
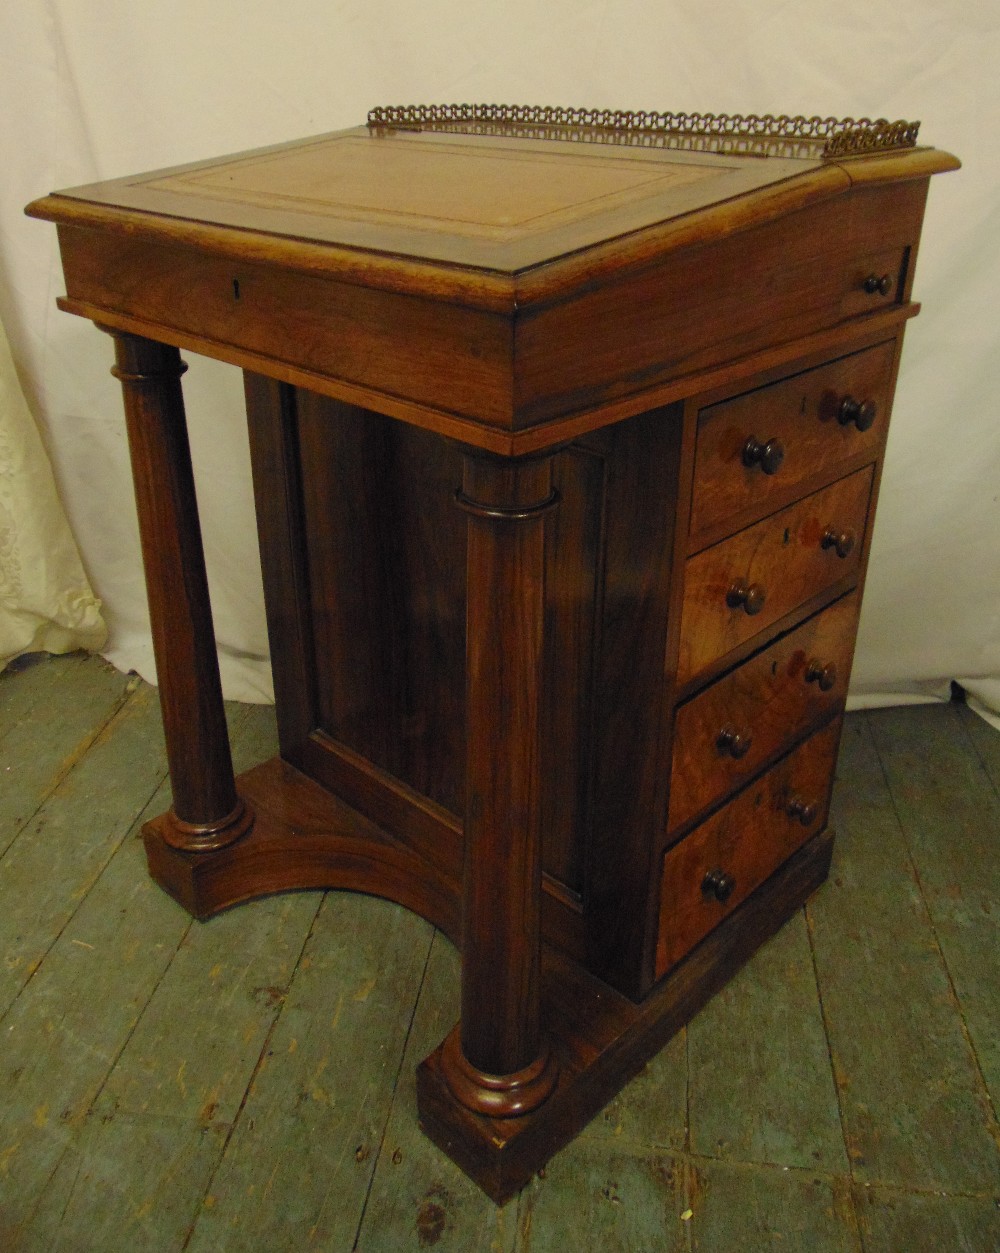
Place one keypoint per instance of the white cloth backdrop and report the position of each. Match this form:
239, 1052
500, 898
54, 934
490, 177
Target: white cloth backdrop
46, 603
91, 91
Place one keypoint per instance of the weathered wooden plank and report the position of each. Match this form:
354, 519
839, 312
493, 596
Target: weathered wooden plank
894, 1222
418, 1196
126, 1182
950, 813
985, 739
297, 1168
60, 1038
195, 1049
652, 1110
60, 853
910, 1094
63, 1034
50, 713
593, 1198
761, 1085
742, 1209
226, 985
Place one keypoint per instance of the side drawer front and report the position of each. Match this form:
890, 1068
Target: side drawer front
797, 423
726, 733
782, 561
745, 842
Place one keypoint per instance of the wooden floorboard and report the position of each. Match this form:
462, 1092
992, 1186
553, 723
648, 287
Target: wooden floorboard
247, 1083
910, 1091
950, 814
50, 714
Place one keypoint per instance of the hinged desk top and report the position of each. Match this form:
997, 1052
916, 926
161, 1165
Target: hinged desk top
493, 282
501, 203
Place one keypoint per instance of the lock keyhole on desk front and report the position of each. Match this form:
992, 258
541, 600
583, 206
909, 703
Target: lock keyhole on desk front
236, 289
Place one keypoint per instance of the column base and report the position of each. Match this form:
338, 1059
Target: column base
194, 837
497, 1096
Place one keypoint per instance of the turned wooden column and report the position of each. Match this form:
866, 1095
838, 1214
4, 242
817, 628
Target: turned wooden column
496, 1061
207, 812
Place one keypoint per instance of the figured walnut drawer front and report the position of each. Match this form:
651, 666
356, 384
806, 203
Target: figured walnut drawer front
738, 587
724, 735
756, 450
712, 870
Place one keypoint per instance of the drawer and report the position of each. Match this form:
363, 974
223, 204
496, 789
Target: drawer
715, 868
724, 735
738, 587
754, 452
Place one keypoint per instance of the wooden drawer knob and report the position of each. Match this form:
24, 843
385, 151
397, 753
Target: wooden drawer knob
768, 456
746, 596
841, 541
735, 743
861, 412
804, 811
824, 675
878, 284
719, 884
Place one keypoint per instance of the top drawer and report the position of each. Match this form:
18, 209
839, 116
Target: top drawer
755, 451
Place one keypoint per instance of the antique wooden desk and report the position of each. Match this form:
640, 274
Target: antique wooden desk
566, 433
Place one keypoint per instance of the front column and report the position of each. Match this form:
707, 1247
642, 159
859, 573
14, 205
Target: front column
207, 813
496, 1061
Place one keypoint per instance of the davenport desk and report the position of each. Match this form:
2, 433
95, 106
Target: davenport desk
566, 432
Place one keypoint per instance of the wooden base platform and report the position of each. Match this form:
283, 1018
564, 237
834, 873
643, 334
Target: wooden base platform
304, 837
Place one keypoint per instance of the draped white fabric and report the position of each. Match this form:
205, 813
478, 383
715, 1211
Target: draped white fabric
92, 91
45, 599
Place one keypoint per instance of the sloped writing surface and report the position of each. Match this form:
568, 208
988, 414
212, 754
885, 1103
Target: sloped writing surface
495, 192
492, 202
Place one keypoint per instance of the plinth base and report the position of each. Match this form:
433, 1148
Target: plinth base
304, 837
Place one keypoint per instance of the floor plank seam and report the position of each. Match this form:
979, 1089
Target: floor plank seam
75, 757
130, 834
970, 739
824, 1015
92, 1103
238, 1116
377, 1157
992, 1118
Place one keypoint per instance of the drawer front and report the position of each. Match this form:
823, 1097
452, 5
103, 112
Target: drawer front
723, 735
715, 868
743, 584
755, 451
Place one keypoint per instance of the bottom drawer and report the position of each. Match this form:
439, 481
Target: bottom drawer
723, 860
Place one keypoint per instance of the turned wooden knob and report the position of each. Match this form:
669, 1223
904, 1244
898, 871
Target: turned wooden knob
803, 810
861, 412
768, 456
719, 884
824, 675
735, 743
746, 596
841, 541
878, 284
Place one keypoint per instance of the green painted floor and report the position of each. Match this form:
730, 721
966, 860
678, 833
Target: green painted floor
247, 1083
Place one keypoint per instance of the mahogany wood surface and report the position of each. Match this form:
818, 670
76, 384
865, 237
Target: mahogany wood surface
565, 457
783, 560
765, 701
748, 839
507, 504
206, 812
802, 415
